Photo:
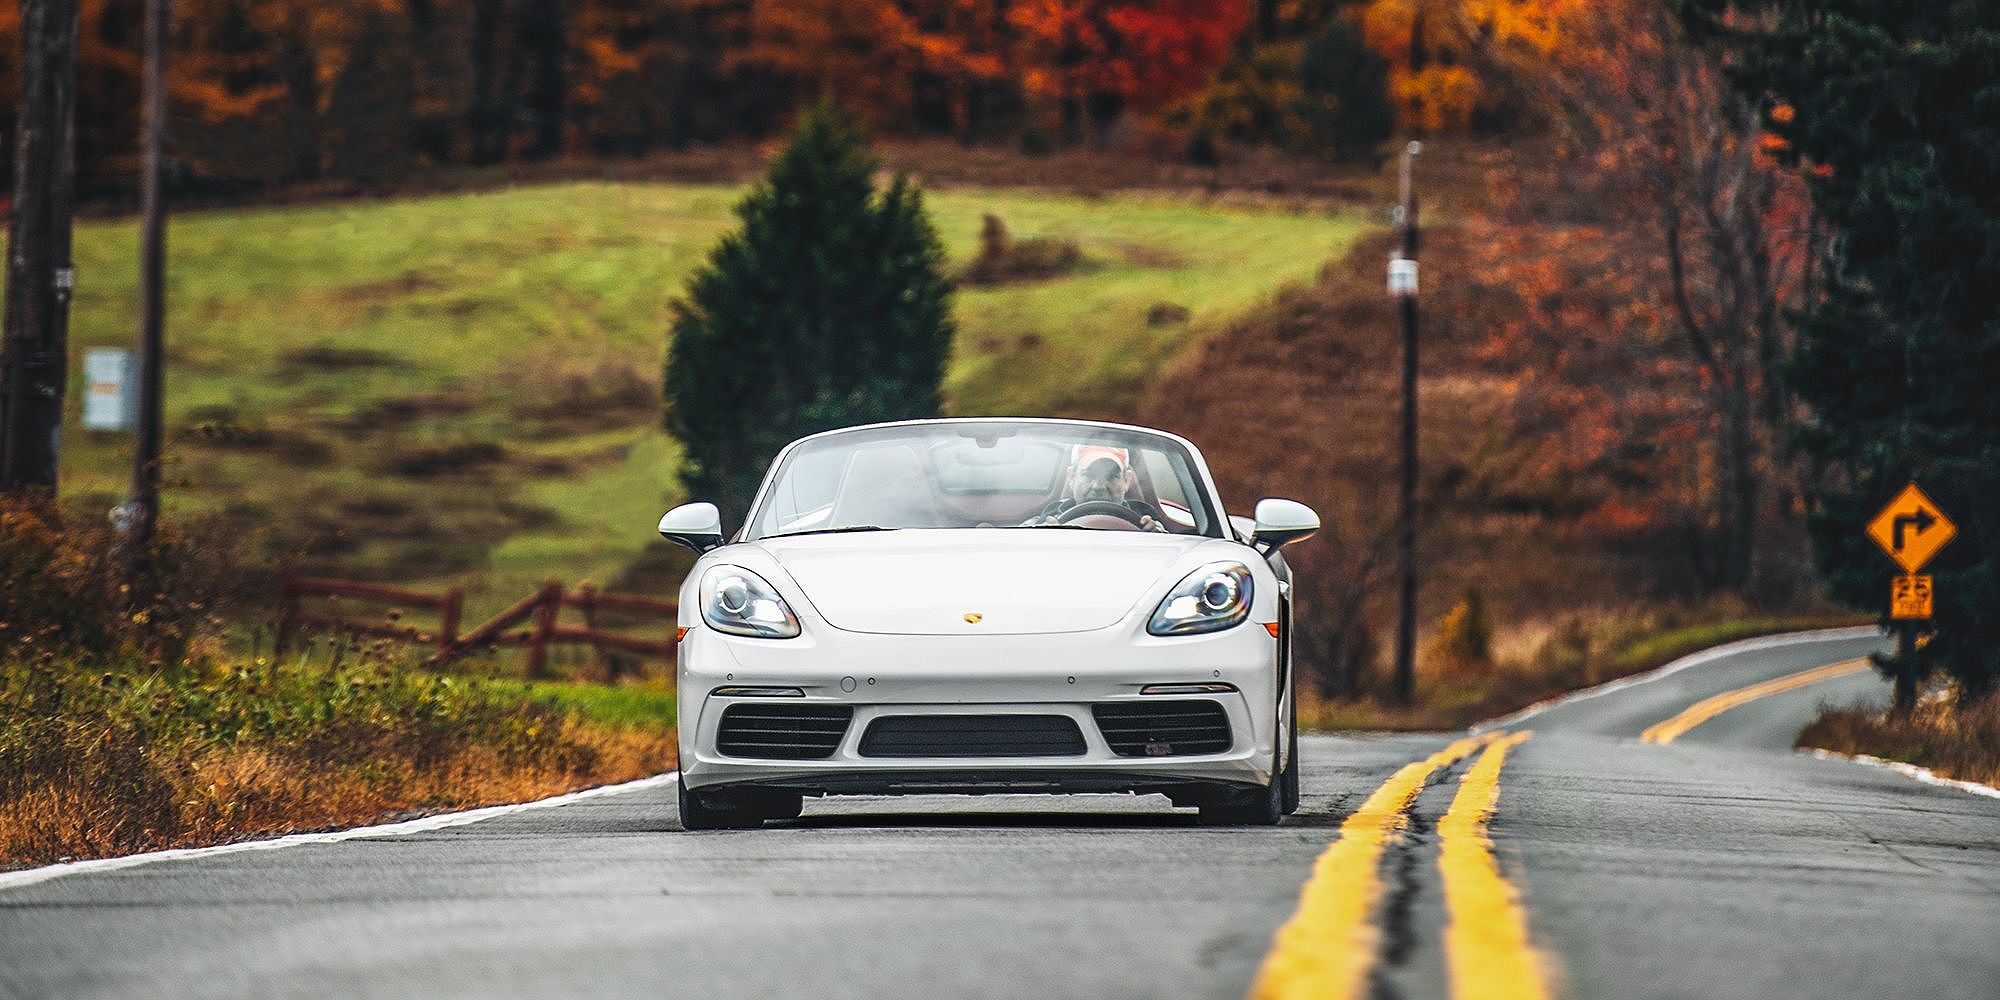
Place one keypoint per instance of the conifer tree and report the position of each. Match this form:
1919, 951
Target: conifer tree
828, 307
1891, 111
1344, 93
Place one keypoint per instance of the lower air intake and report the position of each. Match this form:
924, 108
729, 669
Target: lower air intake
1164, 728
972, 736
782, 732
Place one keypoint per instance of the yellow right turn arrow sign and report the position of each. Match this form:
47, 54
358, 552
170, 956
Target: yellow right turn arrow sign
1911, 529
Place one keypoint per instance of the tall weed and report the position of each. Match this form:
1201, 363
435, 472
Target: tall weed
1954, 738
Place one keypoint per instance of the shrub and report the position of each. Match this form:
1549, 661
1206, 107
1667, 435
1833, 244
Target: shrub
1003, 259
1955, 736
1463, 642
66, 588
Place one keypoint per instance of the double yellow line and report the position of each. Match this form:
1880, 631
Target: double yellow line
1326, 950
1670, 730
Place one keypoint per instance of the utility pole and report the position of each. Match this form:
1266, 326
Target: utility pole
145, 502
34, 341
1403, 285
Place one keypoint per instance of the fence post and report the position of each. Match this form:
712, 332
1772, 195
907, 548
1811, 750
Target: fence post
288, 606
454, 608
586, 598
544, 628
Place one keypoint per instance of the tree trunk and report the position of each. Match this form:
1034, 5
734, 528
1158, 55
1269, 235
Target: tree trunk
483, 118
1906, 670
1740, 503
34, 353
545, 39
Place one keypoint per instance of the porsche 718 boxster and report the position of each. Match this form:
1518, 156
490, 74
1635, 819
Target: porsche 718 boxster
987, 606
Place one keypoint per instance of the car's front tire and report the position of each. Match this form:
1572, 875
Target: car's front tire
1290, 778
1238, 806
1235, 805
736, 809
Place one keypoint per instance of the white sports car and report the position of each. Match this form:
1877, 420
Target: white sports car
987, 605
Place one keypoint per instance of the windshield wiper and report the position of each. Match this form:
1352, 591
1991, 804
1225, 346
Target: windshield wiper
830, 531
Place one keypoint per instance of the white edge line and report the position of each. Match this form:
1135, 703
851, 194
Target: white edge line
1709, 655
1907, 770
425, 824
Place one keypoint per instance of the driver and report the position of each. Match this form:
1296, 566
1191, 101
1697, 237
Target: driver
1099, 474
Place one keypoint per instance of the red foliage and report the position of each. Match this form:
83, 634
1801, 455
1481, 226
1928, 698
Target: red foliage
1147, 54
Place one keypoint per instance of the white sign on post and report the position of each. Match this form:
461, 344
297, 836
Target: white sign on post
110, 400
1402, 277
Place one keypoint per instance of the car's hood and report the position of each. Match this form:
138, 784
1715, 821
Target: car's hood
978, 581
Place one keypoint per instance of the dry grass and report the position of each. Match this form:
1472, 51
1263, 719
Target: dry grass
1952, 739
97, 764
1542, 660
259, 792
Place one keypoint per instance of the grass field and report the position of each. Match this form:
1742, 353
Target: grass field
465, 387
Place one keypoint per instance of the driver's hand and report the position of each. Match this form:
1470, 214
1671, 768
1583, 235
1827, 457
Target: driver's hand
1147, 523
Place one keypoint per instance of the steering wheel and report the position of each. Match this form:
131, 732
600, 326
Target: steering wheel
1091, 508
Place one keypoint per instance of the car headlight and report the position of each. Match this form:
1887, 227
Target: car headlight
739, 602
1210, 599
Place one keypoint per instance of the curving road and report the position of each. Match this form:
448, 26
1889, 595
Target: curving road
1719, 864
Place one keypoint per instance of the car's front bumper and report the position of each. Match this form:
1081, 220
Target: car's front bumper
1043, 674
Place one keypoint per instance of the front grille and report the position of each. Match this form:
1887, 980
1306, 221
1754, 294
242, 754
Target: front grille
782, 732
1163, 728
972, 736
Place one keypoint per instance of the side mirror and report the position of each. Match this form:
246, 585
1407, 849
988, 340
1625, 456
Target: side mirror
695, 525
1282, 522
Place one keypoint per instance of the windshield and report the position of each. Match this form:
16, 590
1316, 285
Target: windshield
987, 475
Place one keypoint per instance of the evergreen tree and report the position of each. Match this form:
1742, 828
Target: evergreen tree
1344, 93
1894, 112
828, 307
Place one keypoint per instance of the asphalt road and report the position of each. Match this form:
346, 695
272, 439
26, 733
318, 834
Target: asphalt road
1722, 865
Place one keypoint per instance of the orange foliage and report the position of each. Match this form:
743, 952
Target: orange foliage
274, 92
858, 50
1450, 59
870, 53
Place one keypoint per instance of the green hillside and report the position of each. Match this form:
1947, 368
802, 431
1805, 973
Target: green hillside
465, 387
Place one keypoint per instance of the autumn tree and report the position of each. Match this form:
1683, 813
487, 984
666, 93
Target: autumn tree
828, 307
1454, 62
862, 53
1683, 159
1666, 167
1096, 59
1300, 77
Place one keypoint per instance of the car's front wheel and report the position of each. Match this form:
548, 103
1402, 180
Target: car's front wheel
1290, 779
1239, 806
734, 809
1235, 805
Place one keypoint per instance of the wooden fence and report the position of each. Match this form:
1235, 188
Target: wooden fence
541, 612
